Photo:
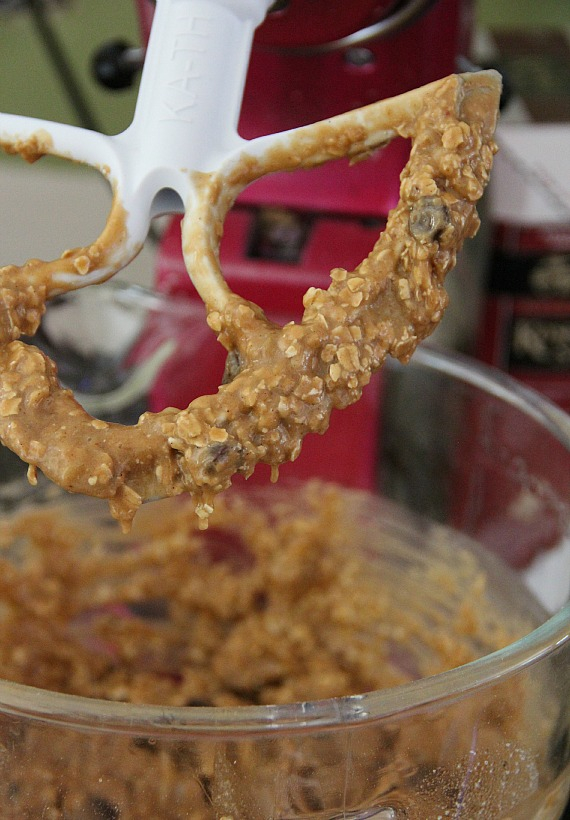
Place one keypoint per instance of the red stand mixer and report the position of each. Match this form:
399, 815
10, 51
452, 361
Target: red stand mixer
313, 59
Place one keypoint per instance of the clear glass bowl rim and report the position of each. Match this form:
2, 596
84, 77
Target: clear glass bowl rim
81, 713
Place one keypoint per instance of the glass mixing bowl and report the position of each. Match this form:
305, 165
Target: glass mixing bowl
465, 526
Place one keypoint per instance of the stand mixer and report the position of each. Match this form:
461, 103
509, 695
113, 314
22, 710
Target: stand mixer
183, 153
310, 61
364, 756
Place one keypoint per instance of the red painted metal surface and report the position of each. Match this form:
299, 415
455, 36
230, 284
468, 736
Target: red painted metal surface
302, 23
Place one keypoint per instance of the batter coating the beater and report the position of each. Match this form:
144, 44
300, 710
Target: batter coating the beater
281, 383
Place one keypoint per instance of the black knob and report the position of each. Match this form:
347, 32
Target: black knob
116, 64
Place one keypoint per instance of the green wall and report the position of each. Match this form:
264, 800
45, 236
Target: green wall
28, 81
524, 13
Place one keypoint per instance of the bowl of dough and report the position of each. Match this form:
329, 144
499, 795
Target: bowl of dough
384, 633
